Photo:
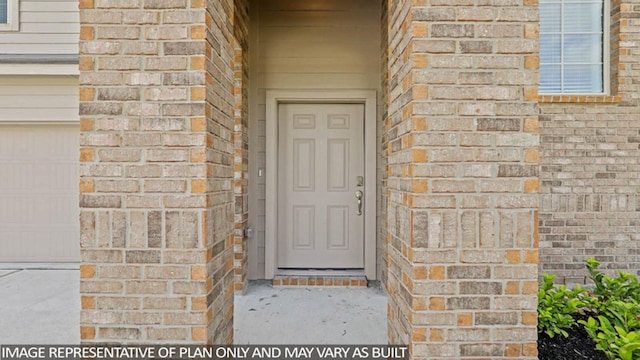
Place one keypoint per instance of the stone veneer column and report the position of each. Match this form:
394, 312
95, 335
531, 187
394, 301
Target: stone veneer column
156, 108
463, 177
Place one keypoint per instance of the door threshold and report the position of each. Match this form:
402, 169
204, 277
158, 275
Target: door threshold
320, 272
313, 277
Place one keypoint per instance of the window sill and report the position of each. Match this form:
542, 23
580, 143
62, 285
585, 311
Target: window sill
9, 27
580, 99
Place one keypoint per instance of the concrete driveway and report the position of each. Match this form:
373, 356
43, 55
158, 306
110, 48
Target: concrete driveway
39, 306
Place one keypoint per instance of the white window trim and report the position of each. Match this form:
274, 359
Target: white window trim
606, 56
606, 47
13, 16
39, 69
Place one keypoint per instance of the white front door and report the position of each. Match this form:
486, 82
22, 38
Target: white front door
320, 169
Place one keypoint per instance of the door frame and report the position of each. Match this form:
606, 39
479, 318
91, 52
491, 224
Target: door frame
276, 97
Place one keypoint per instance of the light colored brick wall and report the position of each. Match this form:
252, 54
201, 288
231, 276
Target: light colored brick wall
383, 105
462, 183
398, 310
589, 173
226, 33
241, 142
157, 206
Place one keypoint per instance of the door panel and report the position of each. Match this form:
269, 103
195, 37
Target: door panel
320, 156
304, 164
39, 193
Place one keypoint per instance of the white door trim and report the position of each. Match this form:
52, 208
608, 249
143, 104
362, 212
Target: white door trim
275, 97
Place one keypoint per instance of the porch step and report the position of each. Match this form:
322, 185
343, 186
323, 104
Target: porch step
316, 280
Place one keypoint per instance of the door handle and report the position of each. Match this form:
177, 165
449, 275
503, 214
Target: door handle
359, 195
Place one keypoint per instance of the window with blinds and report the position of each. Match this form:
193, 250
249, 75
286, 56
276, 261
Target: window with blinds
571, 47
9, 15
3, 11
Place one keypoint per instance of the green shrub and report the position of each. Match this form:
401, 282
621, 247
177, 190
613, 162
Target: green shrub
625, 287
556, 304
616, 333
617, 300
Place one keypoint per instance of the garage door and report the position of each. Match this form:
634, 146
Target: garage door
39, 193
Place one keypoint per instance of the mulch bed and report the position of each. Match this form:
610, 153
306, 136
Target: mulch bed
578, 346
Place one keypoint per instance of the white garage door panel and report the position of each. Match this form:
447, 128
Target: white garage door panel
39, 193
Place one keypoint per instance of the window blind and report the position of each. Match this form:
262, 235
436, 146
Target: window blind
3, 11
571, 46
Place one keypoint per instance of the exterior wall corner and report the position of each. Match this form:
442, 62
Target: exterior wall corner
463, 179
156, 172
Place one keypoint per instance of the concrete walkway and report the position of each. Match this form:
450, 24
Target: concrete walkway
315, 315
42, 306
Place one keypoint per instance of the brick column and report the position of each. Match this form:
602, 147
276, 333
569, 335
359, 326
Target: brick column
463, 178
156, 171
241, 143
